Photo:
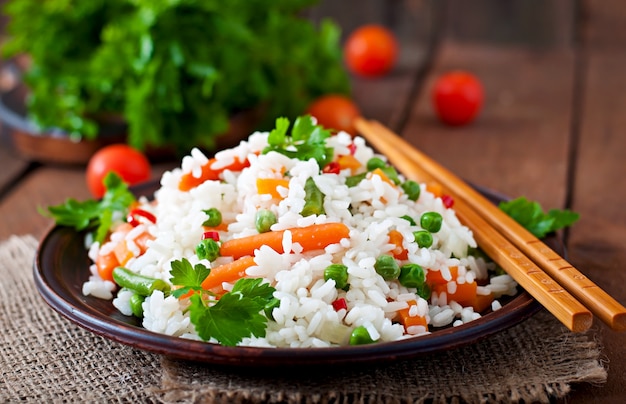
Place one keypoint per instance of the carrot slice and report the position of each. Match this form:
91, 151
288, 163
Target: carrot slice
465, 293
435, 277
396, 238
409, 321
313, 237
188, 181
348, 161
434, 188
270, 185
106, 264
382, 175
228, 272
481, 302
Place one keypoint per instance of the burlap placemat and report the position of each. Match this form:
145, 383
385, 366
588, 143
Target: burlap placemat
45, 358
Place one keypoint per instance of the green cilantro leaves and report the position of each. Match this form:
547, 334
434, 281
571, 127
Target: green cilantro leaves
531, 215
92, 214
235, 315
307, 140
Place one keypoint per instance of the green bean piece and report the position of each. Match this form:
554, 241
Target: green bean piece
423, 238
264, 220
387, 267
411, 275
411, 189
354, 180
143, 285
314, 199
270, 306
360, 336
409, 219
208, 249
136, 304
215, 217
338, 273
431, 221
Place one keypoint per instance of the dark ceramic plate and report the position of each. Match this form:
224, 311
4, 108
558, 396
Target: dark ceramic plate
61, 268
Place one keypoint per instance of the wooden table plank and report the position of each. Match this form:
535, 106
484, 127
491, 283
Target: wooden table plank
597, 240
526, 104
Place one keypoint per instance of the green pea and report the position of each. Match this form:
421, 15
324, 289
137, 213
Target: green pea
408, 219
411, 189
360, 336
423, 238
136, 304
374, 163
208, 249
264, 220
431, 221
411, 275
143, 285
338, 273
215, 217
387, 267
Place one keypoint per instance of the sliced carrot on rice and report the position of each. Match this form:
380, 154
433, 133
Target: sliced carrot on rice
435, 277
311, 238
270, 186
396, 238
410, 321
229, 272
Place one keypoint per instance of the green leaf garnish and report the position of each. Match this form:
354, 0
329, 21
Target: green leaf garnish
92, 214
188, 276
236, 315
307, 140
530, 214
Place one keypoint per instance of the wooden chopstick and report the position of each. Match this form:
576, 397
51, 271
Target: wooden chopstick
492, 225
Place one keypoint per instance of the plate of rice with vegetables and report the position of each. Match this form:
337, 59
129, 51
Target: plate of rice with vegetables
297, 245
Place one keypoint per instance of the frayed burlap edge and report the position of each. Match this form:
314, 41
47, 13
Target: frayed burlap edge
48, 359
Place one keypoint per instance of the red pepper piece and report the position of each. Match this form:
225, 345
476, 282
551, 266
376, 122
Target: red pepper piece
340, 304
135, 214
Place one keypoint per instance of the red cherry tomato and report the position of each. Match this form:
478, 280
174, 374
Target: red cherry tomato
335, 112
457, 97
371, 51
130, 164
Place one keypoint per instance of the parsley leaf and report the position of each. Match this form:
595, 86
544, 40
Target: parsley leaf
92, 214
188, 276
531, 215
307, 140
236, 315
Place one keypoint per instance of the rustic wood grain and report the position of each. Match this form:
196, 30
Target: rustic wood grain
519, 143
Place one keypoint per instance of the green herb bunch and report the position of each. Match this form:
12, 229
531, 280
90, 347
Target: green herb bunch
174, 70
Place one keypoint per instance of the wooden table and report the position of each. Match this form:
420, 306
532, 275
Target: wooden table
551, 130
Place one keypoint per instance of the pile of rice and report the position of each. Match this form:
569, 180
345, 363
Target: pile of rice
305, 316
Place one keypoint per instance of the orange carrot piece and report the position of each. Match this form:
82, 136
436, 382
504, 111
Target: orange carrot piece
434, 188
435, 277
382, 175
348, 161
122, 252
188, 181
407, 321
312, 237
106, 264
270, 185
220, 227
396, 238
465, 293
482, 302
228, 272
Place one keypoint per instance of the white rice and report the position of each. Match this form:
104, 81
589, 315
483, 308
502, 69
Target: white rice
305, 316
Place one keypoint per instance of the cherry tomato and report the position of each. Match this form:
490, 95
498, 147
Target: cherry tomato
371, 51
457, 97
130, 164
335, 112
